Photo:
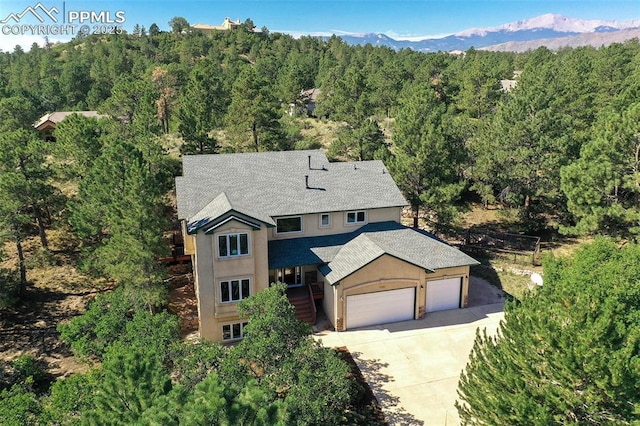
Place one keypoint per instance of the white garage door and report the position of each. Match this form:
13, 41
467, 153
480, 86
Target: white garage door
443, 294
380, 307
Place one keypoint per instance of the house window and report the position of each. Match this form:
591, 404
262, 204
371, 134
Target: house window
289, 224
233, 331
356, 217
325, 220
234, 290
233, 245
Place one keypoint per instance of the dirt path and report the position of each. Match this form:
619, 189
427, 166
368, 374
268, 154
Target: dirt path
57, 292
31, 329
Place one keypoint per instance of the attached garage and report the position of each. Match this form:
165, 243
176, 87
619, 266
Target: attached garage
443, 294
380, 307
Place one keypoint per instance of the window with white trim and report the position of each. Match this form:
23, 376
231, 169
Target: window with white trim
285, 225
359, 216
325, 220
231, 245
233, 331
234, 290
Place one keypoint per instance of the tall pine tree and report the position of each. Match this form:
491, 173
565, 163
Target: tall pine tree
427, 160
566, 354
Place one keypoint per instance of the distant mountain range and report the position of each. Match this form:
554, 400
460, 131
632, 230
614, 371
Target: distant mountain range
551, 30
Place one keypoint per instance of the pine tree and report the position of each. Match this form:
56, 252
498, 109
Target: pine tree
520, 151
427, 160
78, 144
278, 356
366, 142
132, 382
25, 177
252, 118
119, 216
566, 353
602, 186
201, 109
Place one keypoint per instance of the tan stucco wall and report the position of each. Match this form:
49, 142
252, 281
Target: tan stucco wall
329, 302
387, 273
189, 240
311, 223
210, 270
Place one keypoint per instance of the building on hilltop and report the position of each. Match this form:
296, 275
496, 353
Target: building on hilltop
227, 25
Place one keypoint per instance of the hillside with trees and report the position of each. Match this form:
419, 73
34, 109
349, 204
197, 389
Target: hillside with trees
233, 91
558, 152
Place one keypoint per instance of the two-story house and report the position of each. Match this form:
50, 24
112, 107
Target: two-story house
253, 219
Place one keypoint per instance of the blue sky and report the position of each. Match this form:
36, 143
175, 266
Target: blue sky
396, 18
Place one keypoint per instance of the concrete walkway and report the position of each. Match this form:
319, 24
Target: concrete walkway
413, 367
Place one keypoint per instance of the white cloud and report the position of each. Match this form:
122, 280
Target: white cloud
392, 34
298, 34
329, 33
413, 37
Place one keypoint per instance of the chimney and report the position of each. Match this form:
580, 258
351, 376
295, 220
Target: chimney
306, 178
309, 163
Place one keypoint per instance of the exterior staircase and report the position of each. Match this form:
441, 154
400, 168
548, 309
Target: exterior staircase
304, 304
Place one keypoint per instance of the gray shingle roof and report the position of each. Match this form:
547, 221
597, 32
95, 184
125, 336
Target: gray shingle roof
219, 207
341, 255
270, 184
351, 257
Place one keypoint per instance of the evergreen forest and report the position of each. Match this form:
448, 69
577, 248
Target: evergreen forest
559, 150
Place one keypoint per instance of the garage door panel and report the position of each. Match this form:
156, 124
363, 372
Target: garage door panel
443, 294
380, 307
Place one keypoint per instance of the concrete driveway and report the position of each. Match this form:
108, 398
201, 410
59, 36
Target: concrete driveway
413, 367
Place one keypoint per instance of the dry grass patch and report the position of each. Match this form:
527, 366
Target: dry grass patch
322, 131
57, 292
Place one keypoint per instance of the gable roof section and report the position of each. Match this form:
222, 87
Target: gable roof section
219, 211
270, 184
353, 256
341, 255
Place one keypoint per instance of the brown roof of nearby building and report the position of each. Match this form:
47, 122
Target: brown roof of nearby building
310, 94
58, 116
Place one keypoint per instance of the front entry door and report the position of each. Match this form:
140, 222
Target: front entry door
292, 276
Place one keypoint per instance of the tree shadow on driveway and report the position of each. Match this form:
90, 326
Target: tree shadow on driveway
394, 413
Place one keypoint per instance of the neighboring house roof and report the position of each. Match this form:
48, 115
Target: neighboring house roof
508, 85
227, 24
266, 185
343, 254
310, 95
58, 116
